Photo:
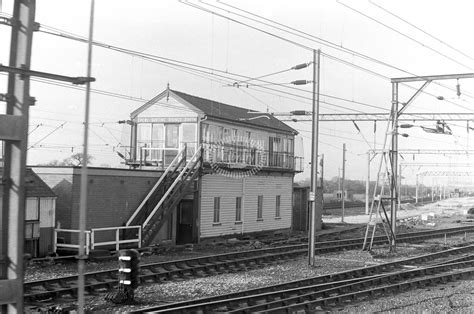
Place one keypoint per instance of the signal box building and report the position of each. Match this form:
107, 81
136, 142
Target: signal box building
227, 170
199, 169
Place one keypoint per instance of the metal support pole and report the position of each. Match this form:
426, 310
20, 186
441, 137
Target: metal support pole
322, 172
432, 190
343, 177
394, 166
133, 142
416, 190
314, 157
399, 199
367, 185
83, 196
12, 217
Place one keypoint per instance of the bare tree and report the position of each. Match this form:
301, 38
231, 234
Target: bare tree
78, 160
74, 160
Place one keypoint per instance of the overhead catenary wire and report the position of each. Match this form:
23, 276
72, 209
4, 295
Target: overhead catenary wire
192, 66
71, 36
262, 76
421, 30
305, 35
47, 135
405, 35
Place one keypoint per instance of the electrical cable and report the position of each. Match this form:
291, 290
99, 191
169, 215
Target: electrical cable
262, 76
421, 30
404, 35
47, 135
311, 37
180, 64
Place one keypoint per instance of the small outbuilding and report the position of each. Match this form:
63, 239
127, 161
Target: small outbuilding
40, 210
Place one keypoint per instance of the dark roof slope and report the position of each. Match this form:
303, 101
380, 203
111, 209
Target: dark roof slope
223, 111
35, 187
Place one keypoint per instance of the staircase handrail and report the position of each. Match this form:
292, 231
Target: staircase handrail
157, 184
193, 160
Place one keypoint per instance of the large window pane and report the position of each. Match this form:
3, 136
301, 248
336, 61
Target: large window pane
189, 132
144, 132
172, 135
157, 135
32, 209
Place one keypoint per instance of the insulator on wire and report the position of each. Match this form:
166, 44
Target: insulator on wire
300, 66
458, 89
300, 82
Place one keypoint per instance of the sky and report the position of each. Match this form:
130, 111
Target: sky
229, 46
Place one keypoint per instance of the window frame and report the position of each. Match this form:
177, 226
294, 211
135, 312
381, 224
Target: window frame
278, 206
260, 207
37, 205
238, 209
217, 210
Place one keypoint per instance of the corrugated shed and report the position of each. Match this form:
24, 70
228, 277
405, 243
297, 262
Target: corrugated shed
35, 187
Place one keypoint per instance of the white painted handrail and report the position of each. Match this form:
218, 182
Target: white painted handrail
117, 240
71, 246
157, 184
192, 161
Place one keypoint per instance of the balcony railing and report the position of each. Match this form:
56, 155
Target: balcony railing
244, 156
162, 157
231, 155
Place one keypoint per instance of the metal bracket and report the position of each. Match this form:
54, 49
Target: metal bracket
5, 21
24, 72
9, 21
4, 97
31, 101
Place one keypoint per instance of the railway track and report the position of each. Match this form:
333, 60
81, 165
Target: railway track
322, 292
102, 281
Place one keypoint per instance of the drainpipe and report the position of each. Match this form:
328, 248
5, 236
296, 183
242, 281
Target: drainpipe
242, 206
133, 141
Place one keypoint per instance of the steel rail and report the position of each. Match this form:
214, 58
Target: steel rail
210, 265
357, 291
263, 299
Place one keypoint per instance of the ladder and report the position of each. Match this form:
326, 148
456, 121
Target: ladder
373, 221
383, 177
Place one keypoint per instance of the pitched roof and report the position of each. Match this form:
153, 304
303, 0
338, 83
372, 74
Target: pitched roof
218, 110
35, 187
228, 112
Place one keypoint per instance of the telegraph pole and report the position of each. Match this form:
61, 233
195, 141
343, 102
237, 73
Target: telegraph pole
314, 158
367, 184
394, 166
343, 178
83, 197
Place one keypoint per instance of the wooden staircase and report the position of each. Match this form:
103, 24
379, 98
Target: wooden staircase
157, 207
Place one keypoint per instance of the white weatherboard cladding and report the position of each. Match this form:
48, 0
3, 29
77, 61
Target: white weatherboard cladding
228, 189
269, 187
168, 108
47, 212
